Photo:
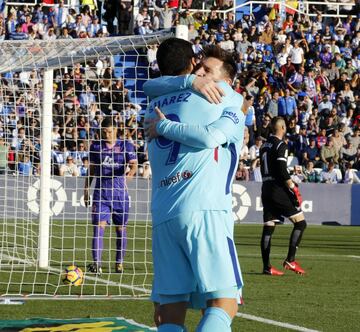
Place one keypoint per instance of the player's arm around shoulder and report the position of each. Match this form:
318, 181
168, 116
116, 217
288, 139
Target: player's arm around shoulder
166, 84
232, 119
211, 90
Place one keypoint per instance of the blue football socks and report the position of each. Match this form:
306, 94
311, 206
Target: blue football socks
215, 320
171, 328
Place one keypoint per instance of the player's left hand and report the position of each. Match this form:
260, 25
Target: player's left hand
150, 125
296, 195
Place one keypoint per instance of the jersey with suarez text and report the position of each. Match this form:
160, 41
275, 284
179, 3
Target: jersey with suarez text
189, 179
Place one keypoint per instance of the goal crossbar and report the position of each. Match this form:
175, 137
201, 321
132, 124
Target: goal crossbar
39, 54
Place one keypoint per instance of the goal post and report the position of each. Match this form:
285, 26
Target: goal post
45, 166
53, 97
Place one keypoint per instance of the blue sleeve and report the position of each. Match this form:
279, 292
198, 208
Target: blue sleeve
167, 84
229, 128
94, 154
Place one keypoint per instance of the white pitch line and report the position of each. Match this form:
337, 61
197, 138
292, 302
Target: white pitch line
304, 255
274, 322
137, 324
96, 279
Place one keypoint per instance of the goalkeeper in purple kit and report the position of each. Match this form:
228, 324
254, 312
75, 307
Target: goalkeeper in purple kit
109, 159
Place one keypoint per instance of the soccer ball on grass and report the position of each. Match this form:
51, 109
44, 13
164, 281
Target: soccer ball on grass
73, 276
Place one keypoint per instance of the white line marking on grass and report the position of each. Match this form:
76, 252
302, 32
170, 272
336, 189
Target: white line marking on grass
96, 279
304, 255
131, 321
273, 322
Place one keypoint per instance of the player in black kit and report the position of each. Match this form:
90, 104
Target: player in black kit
280, 198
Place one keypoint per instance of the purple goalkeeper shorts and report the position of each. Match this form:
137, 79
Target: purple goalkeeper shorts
110, 204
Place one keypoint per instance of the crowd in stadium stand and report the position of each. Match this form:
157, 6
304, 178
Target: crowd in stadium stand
304, 69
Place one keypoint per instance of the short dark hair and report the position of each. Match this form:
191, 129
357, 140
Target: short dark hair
107, 122
174, 56
229, 64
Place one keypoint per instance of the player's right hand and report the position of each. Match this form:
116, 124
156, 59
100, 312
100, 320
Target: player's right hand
150, 125
209, 89
295, 192
86, 197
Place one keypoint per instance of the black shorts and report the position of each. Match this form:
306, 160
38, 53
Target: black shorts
277, 202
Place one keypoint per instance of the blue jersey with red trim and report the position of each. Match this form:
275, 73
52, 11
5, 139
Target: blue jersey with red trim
188, 176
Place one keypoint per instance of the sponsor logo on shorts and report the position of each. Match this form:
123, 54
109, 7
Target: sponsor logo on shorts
178, 177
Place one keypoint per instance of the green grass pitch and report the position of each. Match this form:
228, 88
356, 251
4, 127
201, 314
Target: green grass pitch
326, 299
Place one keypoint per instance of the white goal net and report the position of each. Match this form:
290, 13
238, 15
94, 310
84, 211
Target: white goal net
53, 99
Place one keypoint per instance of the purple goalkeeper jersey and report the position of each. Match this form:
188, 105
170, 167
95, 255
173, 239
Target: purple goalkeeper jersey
110, 163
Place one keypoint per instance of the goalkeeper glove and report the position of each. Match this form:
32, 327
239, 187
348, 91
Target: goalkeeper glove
296, 196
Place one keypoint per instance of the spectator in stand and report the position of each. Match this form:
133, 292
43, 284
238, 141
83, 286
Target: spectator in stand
328, 153
288, 69
25, 166
309, 85
80, 154
298, 175
69, 168
250, 120
355, 138
146, 27
297, 55
65, 34
287, 106
327, 123
61, 15
326, 56
338, 138
94, 27
264, 130
213, 21
350, 176
120, 95
146, 170
87, 98
347, 94
296, 81
50, 35
27, 24
243, 45
18, 34
186, 18
166, 15
260, 109
273, 106
301, 143
242, 173
227, 44
325, 105
311, 175
348, 153
329, 175
83, 168
255, 171
254, 150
